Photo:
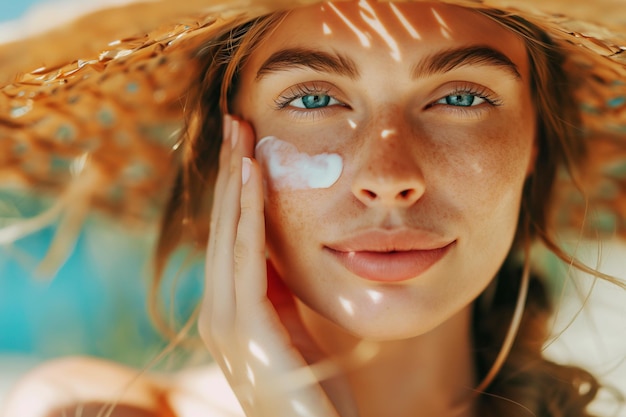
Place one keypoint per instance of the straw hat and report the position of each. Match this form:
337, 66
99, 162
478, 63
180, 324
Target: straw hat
90, 111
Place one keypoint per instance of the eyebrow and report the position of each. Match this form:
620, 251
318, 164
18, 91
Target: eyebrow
450, 59
440, 62
319, 61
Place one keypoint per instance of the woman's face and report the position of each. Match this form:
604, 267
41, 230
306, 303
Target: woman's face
405, 133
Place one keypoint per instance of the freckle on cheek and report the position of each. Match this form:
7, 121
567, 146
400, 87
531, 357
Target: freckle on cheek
286, 168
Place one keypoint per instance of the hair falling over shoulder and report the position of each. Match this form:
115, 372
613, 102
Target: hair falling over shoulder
526, 384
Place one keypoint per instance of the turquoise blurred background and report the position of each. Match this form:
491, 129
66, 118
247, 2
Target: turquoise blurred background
96, 303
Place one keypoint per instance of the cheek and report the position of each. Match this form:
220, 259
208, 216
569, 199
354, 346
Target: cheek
291, 224
284, 217
477, 181
490, 168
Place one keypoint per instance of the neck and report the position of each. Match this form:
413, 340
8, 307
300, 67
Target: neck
431, 375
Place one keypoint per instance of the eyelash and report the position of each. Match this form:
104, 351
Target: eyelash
473, 90
299, 91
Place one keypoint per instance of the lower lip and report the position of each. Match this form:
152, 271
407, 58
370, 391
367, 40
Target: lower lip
390, 266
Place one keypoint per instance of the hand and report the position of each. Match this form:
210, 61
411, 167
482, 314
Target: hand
254, 345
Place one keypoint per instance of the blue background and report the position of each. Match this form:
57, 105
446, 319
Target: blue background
12, 9
96, 303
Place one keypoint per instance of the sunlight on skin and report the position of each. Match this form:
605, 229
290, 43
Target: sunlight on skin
365, 42
245, 394
301, 409
365, 351
440, 19
376, 296
445, 33
369, 16
228, 365
477, 167
445, 29
250, 375
347, 305
386, 132
409, 28
258, 353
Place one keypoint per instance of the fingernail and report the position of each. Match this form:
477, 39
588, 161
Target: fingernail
246, 163
226, 127
234, 134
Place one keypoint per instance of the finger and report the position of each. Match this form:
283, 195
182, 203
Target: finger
250, 267
246, 138
218, 190
225, 237
229, 150
239, 140
223, 171
204, 320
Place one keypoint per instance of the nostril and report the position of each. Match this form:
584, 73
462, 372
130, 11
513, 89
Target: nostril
406, 194
400, 197
370, 195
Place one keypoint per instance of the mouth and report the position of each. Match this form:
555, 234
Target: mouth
383, 258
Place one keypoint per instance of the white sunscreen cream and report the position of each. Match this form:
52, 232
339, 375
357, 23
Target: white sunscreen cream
290, 169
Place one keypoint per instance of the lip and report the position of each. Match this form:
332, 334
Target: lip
390, 256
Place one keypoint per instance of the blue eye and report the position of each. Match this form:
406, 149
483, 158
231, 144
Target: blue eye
461, 100
313, 101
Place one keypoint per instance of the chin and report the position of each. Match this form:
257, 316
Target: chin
387, 335
390, 325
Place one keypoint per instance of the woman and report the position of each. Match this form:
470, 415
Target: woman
384, 169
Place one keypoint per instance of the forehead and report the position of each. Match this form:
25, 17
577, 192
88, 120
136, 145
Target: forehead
397, 30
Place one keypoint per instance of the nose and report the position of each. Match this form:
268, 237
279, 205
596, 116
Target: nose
387, 170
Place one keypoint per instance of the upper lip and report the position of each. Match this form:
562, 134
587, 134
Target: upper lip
393, 240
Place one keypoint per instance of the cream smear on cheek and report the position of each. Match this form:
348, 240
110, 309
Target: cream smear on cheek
290, 169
